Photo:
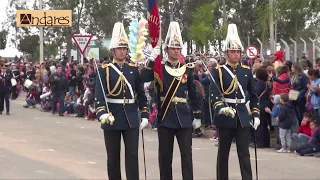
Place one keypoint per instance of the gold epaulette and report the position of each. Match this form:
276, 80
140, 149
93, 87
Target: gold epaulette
105, 65
246, 67
132, 64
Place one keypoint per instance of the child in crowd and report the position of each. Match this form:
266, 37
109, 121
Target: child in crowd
78, 107
285, 121
153, 116
304, 132
45, 98
313, 146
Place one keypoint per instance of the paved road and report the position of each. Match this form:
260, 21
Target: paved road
38, 145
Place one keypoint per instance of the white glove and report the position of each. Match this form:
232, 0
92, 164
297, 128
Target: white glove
107, 118
256, 123
196, 123
144, 123
155, 53
228, 111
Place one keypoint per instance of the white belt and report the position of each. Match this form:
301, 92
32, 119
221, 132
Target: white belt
235, 101
121, 101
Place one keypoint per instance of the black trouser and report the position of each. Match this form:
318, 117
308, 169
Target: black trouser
206, 113
58, 95
242, 136
166, 141
113, 145
14, 92
4, 97
263, 134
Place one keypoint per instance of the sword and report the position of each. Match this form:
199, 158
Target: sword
214, 82
110, 118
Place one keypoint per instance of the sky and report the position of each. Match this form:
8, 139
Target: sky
10, 51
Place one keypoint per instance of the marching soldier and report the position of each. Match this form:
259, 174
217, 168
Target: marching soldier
174, 82
15, 76
119, 93
5, 88
232, 118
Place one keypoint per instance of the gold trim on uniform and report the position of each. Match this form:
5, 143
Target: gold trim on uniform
216, 104
157, 79
233, 66
233, 85
132, 64
256, 109
144, 109
120, 82
120, 63
244, 66
105, 65
176, 72
174, 92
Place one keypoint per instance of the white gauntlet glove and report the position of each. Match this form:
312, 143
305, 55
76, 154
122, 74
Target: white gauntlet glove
196, 123
228, 111
155, 53
107, 118
255, 123
144, 123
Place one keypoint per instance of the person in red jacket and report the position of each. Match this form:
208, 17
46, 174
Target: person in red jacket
32, 98
282, 72
304, 132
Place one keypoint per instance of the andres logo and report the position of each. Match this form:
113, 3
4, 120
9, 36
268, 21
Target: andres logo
44, 18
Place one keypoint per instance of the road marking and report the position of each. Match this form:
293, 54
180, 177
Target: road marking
152, 140
89, 162
47, 150
43, 172
59, 122
1, 133
21, 140
200, 148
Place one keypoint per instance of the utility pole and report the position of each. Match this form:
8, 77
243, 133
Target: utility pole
41, 35
224, 12
171, 4
271, 28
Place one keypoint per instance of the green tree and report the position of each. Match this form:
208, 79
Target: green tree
290, 16
30, 45
50, 50
3, 39
201, 29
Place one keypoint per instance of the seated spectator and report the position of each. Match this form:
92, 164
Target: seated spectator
304, 132
45, 98
32, 98
313, 146
78, 106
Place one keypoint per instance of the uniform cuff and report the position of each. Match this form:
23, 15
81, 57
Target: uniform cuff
255, 112
217, 106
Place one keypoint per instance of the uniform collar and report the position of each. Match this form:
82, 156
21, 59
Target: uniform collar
118, 62
233, 66
173, 63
